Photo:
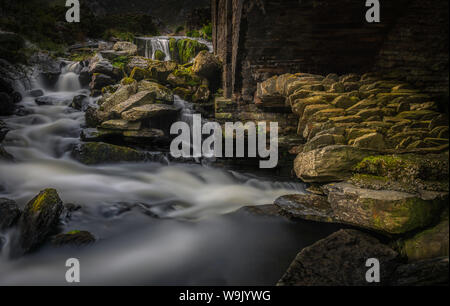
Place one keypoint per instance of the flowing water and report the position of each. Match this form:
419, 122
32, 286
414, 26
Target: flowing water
147, 46
155, 223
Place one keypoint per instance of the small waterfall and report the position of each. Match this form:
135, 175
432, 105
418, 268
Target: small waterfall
68, 80
147, 46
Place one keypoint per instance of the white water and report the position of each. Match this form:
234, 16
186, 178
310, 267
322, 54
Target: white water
119, 205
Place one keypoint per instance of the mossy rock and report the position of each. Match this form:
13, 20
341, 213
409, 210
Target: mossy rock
39, 219
430, 243
99, 153
183, 93
76, 238
160, 55
188, 49
184, 78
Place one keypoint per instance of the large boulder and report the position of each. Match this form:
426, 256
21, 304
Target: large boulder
139, 99
328, 164
98, 82
386, 211
9, 213
121, 95
207, 66
100, 153
99, 65
48, 68
340, 260
39, 219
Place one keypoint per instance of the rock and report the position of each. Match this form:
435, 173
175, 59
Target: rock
160, 93
85, 77
201, 95
6, 105
48, 69
160, 55
144, 134
344, 102
138, 61
430, 243
340, 260
409, 172
430, 272
47, 100
3, 130
188, 49
99, 153
4, 155
80, 102
121, 95
208, 66
125, 46
184, 79
139, 99
149, 111
76, 238
39, 219
374, 141
381, 210
121, 124
36, 93
323, 140
418, 115
306, 206
99, 81
328, 164
99, 65
9, 213
94, 117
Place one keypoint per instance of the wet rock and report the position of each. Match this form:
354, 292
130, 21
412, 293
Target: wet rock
7, 105
99, 153
430, 243
99, 81
381, 210
184, 78
159, 55
80, 102
3, 130
38, 220
94, 116
49, 69
148, 134
201, 95
430, 272
324, 140
4, 155
36, 93
76, 238
340, 260
85, 77
9, 213
328, 164
306, 206
150, 111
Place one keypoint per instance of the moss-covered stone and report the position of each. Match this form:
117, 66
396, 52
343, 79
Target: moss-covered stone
188, 49
430, 243
100, 153
160, 55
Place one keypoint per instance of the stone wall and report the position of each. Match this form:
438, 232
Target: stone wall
257, 39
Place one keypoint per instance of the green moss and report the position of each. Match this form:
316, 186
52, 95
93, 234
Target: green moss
127, 81
159, 55
188, 49
74, 232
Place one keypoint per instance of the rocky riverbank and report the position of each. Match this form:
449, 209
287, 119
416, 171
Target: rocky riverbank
376, 154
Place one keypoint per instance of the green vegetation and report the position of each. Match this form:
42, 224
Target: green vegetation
44, 24
188, 49
205, 32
